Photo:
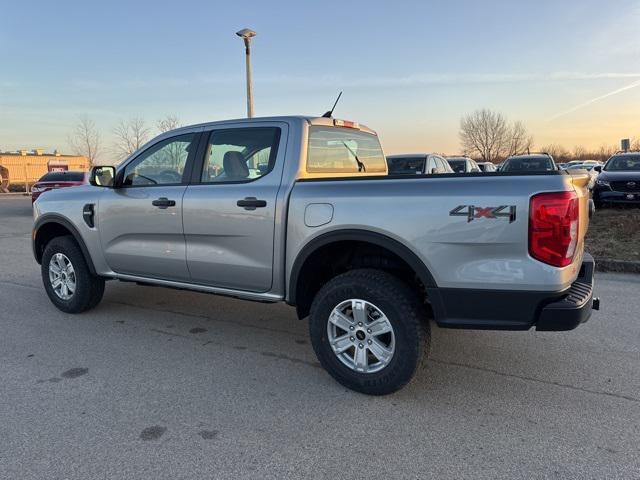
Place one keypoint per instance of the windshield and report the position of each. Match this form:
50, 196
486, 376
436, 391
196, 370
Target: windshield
623, 163
344, 150
405, 165
536, 164
458, 166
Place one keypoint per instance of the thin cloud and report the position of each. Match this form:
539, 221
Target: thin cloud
416, 80
594, 100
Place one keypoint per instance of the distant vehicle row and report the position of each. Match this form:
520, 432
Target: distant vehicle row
430, 163
616, 182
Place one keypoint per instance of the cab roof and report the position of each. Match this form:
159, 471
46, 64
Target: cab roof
320, 121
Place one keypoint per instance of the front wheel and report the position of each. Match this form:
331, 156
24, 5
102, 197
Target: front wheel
67, 280
369, 331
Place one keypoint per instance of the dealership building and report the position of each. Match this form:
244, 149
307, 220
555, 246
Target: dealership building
25, 167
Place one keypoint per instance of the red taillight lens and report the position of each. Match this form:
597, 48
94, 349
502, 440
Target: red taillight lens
553, 227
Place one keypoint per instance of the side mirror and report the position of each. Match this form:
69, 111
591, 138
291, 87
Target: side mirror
103, 176
433, 171
598, 168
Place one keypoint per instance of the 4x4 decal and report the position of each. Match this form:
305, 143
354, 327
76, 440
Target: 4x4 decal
472, 212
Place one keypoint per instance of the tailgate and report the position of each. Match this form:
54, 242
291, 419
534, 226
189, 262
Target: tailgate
580, 181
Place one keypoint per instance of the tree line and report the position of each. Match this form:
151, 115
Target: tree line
128, 136
488, 136
485, 135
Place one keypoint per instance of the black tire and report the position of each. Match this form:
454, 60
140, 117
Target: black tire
405, 312
89, 288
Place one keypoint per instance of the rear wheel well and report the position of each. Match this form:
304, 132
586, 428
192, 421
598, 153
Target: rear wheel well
337, 257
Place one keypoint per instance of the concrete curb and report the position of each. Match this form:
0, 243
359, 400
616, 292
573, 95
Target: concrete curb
621, 266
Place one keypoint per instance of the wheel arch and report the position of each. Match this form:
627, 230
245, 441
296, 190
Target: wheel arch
298, 297
51, 226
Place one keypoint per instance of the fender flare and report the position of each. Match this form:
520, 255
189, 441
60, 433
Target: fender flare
60, 220
374, 238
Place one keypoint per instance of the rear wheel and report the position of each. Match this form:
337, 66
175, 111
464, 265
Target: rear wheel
369, 331
67, 280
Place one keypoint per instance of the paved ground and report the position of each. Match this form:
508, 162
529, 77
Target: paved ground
156, 383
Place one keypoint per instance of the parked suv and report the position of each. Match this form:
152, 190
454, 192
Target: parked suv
487, 167
417, 164
463, 165
619, 180
534, 162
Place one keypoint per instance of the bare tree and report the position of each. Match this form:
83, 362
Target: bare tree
489, 136
604, 152
559, 153
518, 140
86, 140
483, 133
579, 152
170, 122
130, 136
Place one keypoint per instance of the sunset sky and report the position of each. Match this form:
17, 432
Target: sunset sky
569, 70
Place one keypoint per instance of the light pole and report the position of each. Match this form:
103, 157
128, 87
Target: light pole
247, 35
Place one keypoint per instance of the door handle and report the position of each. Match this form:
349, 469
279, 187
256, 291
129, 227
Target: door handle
251, 203
163, 202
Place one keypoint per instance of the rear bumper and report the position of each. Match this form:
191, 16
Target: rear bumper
575, 306
516, 310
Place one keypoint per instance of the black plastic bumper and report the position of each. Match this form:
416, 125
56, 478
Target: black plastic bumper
514, 309
624, 198
575, 307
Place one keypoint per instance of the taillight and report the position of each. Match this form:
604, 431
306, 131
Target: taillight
553, 227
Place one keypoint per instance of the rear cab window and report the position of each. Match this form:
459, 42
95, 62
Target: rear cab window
336, 151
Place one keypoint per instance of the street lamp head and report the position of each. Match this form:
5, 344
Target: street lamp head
246, 33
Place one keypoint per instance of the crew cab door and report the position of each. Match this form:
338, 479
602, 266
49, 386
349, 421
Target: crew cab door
229, 208
140, 222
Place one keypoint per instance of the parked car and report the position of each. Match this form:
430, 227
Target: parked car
534, 162
417, 164
323, 227
588, 167
463, 165
590, 162
619, 180
487, 167
54, 180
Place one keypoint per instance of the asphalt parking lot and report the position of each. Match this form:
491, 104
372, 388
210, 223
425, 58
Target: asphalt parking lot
158, 383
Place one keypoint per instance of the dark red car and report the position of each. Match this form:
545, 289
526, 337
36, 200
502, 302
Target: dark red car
54, 180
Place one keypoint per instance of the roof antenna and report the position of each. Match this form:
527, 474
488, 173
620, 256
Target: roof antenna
330, 112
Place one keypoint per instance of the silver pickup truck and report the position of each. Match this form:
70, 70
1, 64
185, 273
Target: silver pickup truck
302, 210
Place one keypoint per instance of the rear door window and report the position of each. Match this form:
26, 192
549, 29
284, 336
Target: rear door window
240, 154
